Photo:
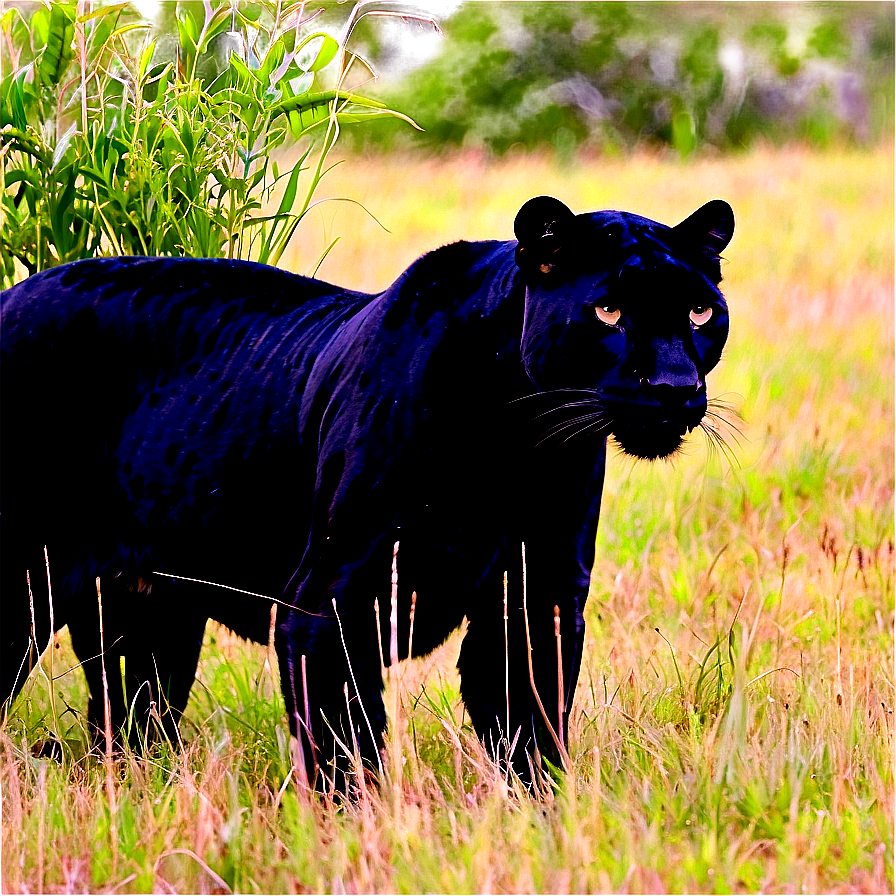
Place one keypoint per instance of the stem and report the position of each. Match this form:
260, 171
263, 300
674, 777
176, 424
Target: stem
396, 676
560, 700
52, 643
506, 663
564, 756
82, 53
355, 685
411, 630
107, 726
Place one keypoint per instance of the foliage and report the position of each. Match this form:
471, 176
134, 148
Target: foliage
618, 75
746, 746
113, 145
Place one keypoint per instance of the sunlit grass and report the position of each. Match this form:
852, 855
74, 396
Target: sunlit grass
733, 728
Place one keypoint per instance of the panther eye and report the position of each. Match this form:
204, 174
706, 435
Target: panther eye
701, 314
607, 314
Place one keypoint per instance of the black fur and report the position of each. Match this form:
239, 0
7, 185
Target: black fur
234, 423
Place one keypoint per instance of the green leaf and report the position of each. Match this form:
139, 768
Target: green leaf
294, 120
161, 81
186, 138
102, 12
134, 26
256, 178
186, 30
307, 101
241, 98
328, 49
289, 194
62, 146
241, 69
214, 26
146, 59
272, 60
110, 165
40, 27
13, 177
58, 52
61, 212
15, 103
31, 199
25, 141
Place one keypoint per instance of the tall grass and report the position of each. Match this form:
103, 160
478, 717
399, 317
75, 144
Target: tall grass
733, 723
110, 147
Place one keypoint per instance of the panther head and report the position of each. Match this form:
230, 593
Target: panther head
626, 312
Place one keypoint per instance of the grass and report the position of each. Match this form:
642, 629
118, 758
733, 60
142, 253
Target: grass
733, 726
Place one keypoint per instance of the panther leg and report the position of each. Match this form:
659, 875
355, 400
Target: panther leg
158, 635
332, 686
495, 688
85, 635
160, 667
497, 685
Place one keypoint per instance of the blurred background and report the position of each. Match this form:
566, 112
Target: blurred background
606, 77
619, 76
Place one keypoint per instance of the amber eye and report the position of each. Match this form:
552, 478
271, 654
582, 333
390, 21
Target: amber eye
701, 314
607, 314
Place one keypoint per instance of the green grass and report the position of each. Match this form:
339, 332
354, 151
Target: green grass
747, 745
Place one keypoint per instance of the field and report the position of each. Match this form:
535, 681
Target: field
733, 728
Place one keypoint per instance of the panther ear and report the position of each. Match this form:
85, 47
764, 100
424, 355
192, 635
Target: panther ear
709, 229
541, 227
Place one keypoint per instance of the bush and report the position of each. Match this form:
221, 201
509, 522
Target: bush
620, 75
116, 141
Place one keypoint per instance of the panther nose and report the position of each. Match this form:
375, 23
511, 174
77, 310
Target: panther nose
668, 395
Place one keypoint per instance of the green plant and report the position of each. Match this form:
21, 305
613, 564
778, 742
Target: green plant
614, 76
109, 147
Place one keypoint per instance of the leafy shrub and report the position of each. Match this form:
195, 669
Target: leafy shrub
617, 75
113, 145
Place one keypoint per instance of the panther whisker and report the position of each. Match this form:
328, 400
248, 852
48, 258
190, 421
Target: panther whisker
552, 392
724, 419
556, 430
565, 424
587, 419
570, 404
710, 438
584, 422
602, 427
735, 434
724, 409
723, 406
717, 443
720, 399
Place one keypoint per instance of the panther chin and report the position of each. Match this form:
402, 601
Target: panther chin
654, 440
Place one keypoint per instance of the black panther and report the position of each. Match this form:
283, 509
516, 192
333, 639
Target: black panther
233, 423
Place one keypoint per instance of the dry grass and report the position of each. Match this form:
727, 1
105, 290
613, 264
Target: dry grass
733, 728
